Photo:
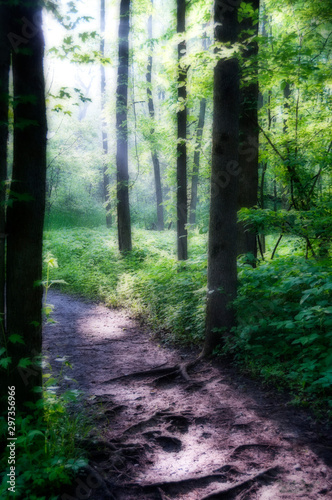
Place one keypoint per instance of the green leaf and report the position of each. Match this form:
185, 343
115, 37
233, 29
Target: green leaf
33, 433
5, 362
24, 362
16, 339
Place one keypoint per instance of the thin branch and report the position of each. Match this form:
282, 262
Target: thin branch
323, 47
61, 152
271, 143
277, 244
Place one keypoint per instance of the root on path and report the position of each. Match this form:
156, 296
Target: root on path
224, 493
161, 370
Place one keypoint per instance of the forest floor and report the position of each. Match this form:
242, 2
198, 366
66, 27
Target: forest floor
163, 432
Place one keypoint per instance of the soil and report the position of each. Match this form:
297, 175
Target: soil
165, 429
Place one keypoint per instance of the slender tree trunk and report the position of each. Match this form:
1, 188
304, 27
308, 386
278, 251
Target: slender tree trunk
249, 137
106, 177
222, 253
25, 212
4, 89
154, 155
197, 153
182, 203
123, 209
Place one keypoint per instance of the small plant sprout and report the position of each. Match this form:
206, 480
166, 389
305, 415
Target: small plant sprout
51, 262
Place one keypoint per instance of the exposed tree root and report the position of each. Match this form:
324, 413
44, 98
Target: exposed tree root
143, 423
165, 378
101, 482
195, 481
162, 370
235, 487
168, 417
153, 371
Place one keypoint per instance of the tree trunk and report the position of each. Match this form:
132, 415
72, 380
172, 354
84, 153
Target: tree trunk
123, 209
249, 137
154, 155
182, 208
222, 253
25, 212
106, 178
194, 178
4, 89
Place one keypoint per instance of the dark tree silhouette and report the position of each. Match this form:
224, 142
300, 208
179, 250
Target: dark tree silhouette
222, 254
25, 212
123, 209
249, 134
4, 80
182, 209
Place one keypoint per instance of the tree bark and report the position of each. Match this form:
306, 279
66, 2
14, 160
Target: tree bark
25, 212
4, 89
182, 208
106, 177
154, 155
249, 137
222, 253
123, 209
197, 153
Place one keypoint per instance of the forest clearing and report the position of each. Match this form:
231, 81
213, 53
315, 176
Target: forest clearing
165, 249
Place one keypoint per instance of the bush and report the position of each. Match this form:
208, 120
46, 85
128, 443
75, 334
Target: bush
285, 324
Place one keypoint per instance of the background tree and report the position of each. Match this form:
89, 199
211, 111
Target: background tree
222, 253
197, 154
4, 89
123, 209
26, 206
106, 177
154, 152
181, 184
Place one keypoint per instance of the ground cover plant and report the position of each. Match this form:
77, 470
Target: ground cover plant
47, 455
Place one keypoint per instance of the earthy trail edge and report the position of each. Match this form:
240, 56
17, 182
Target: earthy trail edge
196, 432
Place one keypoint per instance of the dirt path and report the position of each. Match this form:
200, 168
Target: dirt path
215, 436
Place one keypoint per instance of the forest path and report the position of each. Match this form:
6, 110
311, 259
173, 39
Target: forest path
162, 437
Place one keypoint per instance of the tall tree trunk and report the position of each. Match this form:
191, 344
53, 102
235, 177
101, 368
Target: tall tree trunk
222, 253
154, 155
123, 209
197, 153
25, 213
106, 177
182, 207
249, 136
4, 89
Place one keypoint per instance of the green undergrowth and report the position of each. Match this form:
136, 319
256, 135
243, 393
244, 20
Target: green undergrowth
46, 457
169, 295
284, 332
